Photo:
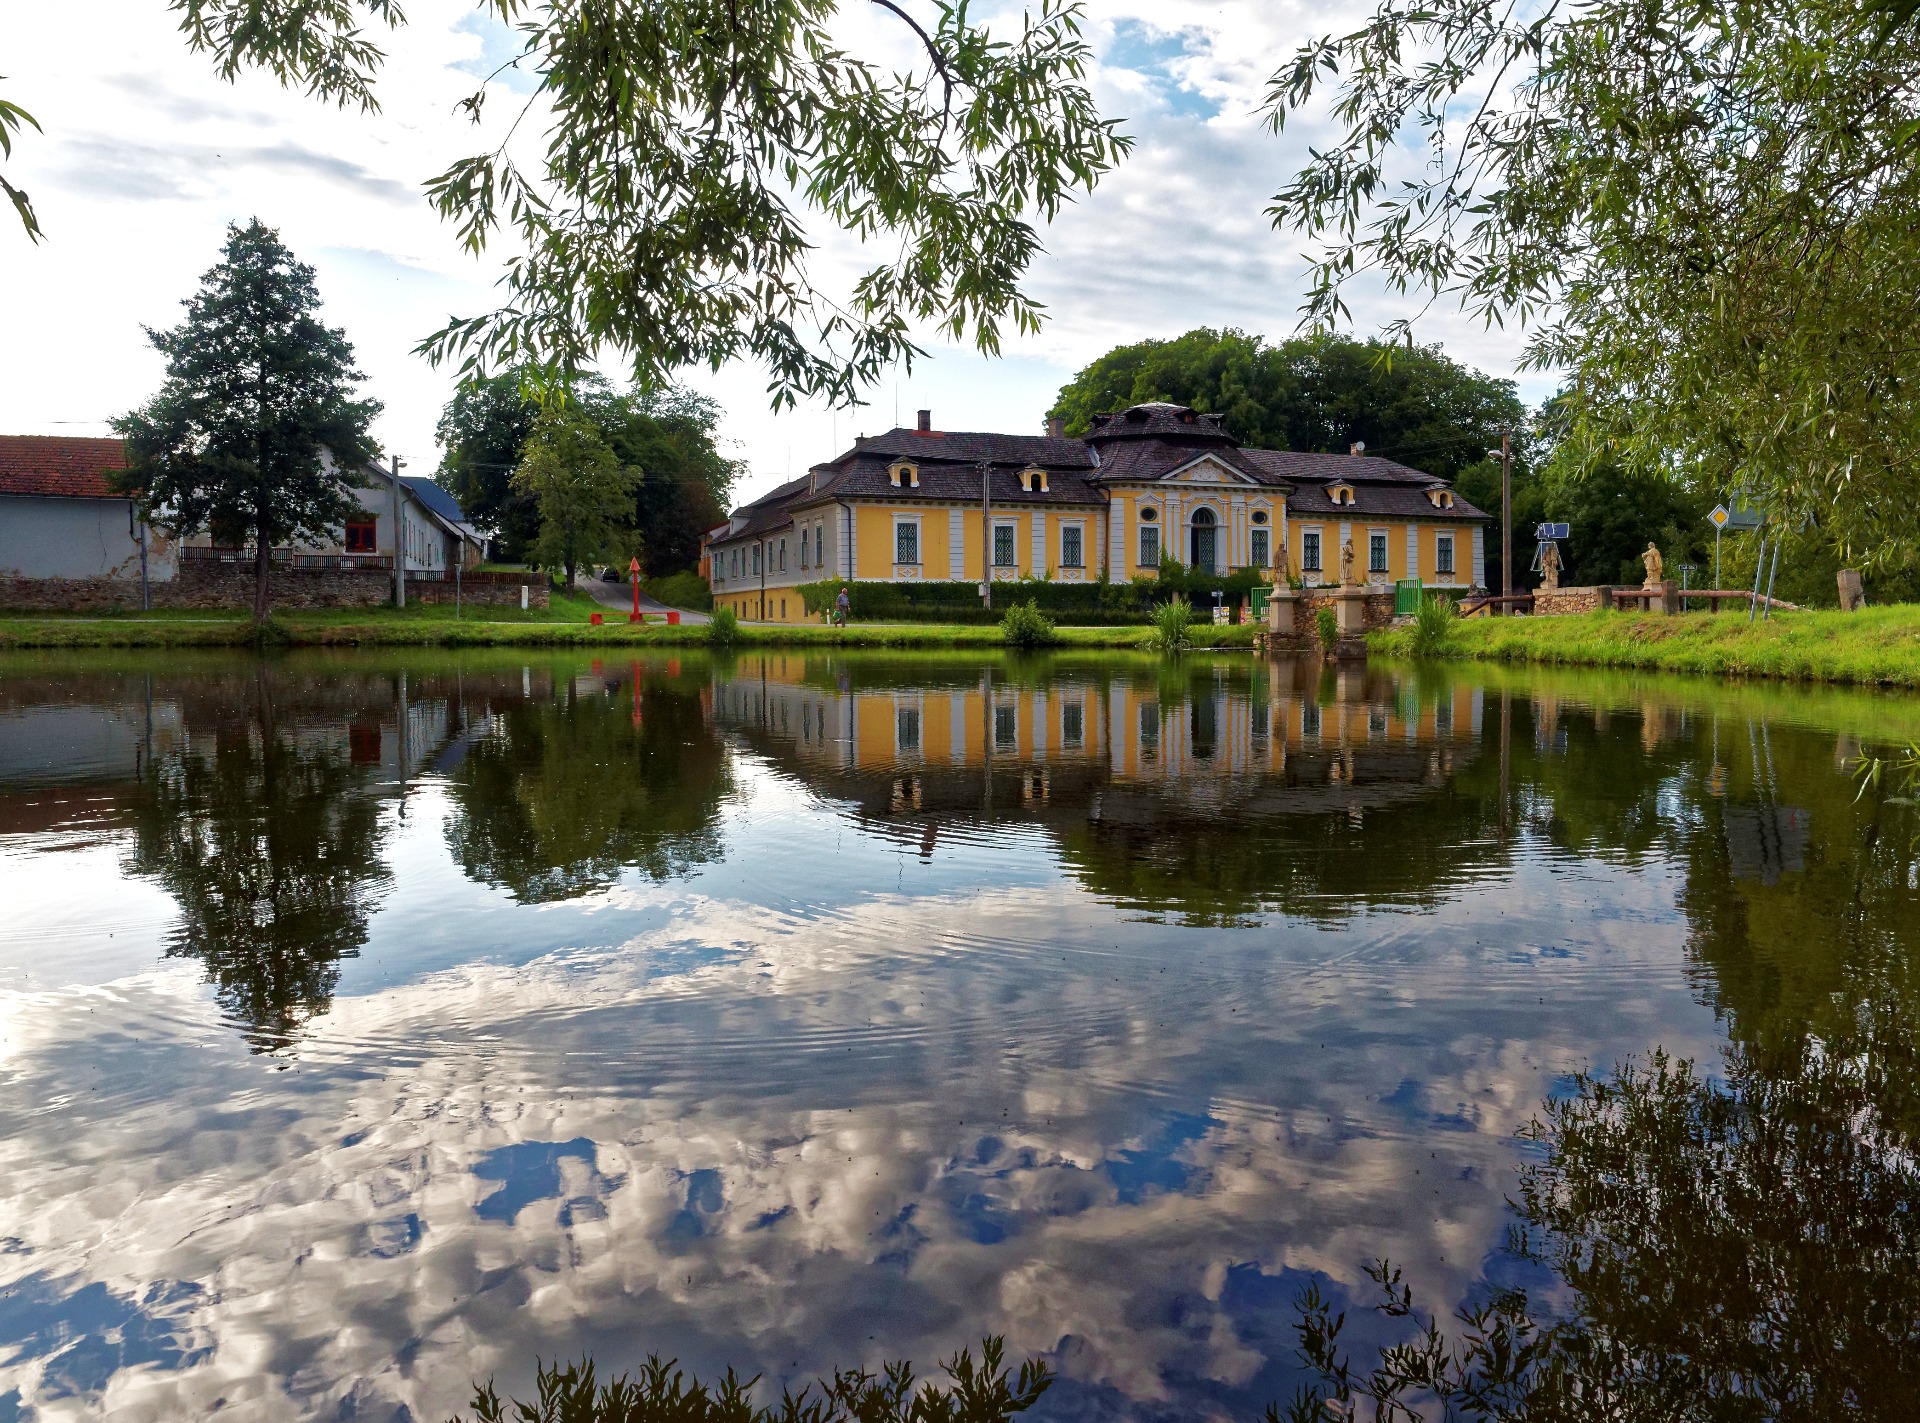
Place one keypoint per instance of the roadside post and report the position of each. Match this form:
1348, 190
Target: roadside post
1718, 518
633, 572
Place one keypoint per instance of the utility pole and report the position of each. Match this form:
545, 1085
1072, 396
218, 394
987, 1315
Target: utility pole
399, 540
986, 538
1506, 519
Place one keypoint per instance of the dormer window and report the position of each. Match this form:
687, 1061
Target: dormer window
1033, 478
904, 475
1441, 498
1341, 494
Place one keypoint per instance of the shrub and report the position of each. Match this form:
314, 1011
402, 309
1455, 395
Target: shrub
1327, 623
724, 630
1433, 625
950, 601
685, 589
1026, 626
1173, 626
571, 1393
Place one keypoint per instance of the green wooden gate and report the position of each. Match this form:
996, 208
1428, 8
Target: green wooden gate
1406, 597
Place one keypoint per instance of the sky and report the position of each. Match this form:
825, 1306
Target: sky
147, 155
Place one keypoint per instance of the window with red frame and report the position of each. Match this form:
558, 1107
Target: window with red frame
360, 535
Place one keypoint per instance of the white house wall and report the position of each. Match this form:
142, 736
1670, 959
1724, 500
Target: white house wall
76, 538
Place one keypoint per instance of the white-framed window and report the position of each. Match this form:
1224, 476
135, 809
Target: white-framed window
1073, 543
1443, 554
1376, 550
1260, 546
1310, 551
819, 545
1149, 546
756, 558
906, 539
783, 555
1003, 545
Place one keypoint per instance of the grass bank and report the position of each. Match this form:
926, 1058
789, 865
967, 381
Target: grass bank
1874, 647
564, 625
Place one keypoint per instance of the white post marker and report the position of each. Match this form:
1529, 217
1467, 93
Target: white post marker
523, 597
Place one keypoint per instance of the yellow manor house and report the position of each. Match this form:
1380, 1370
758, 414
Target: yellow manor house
926, 504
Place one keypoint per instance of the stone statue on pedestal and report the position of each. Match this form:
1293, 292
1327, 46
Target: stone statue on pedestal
1346, 563
1550, 567
1656, 567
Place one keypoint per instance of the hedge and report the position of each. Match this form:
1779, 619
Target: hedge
1086, 604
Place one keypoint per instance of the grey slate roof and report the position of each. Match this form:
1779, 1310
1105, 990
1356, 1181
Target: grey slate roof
434, 497
1138, 445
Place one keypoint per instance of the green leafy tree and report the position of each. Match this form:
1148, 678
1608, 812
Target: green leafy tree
684, 483
482, 431
255, 434
668, 436
582, 491
1703, 208
1309, 393
662, 217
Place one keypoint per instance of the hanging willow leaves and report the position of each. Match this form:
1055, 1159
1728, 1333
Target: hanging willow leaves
686, 147
1703, 210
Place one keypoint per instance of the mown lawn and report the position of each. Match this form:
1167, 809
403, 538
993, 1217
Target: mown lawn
564, 623
1874, 647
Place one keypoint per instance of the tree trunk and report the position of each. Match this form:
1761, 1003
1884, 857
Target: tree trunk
570, 567
261, 563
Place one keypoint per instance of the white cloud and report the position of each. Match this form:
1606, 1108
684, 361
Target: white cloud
147, 156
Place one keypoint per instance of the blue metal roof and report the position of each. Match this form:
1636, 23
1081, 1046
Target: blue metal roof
434, 497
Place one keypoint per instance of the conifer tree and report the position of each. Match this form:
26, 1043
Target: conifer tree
255, 434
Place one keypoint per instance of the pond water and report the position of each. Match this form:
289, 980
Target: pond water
370, 1025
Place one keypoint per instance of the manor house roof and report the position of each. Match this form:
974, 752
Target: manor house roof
1139, 445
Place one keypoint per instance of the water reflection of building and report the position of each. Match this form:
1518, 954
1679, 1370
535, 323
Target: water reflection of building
1218, 776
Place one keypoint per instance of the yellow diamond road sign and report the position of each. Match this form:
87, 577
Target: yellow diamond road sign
1718, 518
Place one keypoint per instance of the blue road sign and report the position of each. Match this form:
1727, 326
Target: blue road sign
1553, 531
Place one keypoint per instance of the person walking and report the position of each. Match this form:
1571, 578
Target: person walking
842, 607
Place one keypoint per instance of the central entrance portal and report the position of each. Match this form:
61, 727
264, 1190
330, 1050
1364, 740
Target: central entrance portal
1204, 539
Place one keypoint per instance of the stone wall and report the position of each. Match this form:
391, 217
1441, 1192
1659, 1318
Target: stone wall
1376, 613
230, 585
1566, 602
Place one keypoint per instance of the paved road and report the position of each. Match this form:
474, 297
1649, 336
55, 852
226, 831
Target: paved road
619, 597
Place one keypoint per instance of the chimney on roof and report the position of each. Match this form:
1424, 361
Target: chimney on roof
1056, 427
926, 422
1358, 447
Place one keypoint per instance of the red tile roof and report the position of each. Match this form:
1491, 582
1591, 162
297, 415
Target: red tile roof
62, 466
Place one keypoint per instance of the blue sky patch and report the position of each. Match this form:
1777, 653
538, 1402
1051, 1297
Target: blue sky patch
528, 1171
90, 1334
1152, 1169
1154, 53
499, 45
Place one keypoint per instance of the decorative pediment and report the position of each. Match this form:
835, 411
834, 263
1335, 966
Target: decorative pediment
1205, 471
